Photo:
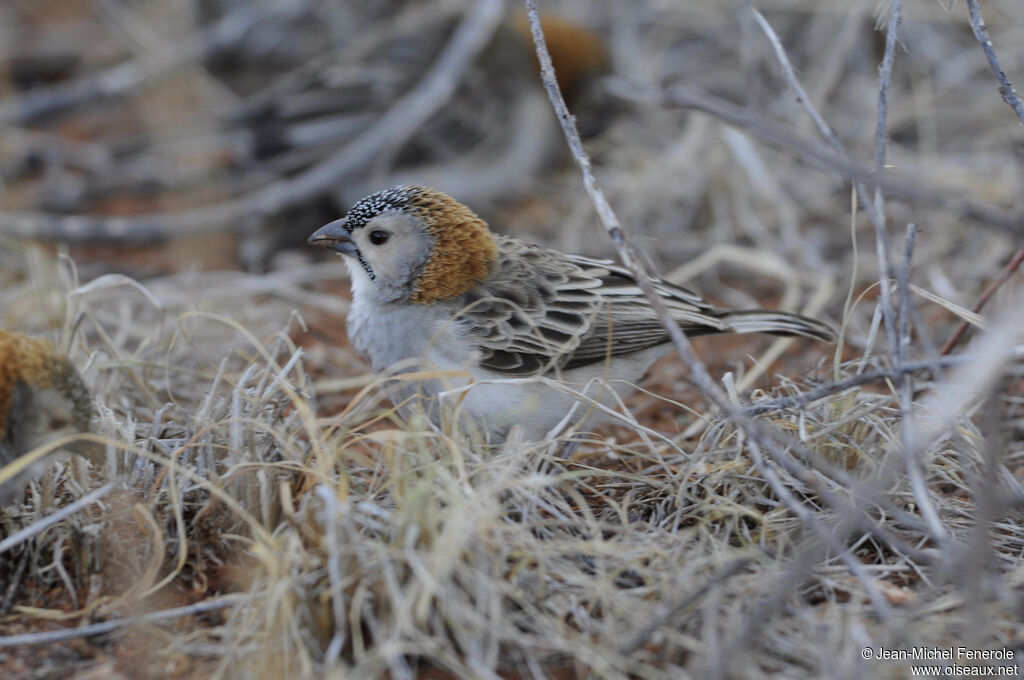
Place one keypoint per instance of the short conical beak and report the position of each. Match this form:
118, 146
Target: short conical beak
336, 237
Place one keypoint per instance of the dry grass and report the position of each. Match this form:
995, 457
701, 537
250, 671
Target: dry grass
273, 516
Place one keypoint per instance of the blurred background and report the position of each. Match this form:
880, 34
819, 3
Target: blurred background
228, 130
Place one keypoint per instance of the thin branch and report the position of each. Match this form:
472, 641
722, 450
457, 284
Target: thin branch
90, 630
876, 212
905, 390
772, 442
608, 218
990, 290
806, 398
398, 124
881, 140
1005, 86
48, 521
835, 161
911, 452
903, 287
824, 129
829, 536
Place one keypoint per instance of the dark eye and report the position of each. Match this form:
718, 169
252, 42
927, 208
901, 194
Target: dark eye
379, 237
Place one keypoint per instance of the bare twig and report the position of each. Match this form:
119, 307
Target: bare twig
905, 390
396, 126
876, 212
863, 176
903, 287
829, 536
608, 218
1006, 89
764, 438
824, 129
989, 291
834, 161
48, 521
90, 630
836, 387
620, 239
911, 451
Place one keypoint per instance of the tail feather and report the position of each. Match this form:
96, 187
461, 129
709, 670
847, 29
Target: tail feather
777, 323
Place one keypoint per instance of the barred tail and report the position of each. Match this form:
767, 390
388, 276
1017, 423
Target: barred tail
777, 323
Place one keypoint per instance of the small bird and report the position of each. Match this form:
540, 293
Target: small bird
434, 288
42, 398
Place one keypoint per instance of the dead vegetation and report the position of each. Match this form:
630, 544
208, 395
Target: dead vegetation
265, 513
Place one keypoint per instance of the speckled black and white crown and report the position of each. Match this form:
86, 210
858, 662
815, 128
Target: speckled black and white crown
395, 198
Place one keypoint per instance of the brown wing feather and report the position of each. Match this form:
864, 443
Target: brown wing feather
541, 309
531, 313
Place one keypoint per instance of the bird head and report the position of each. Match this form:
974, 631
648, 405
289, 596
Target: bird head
411, 244
42, 397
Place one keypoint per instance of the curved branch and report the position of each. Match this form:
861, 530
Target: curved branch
397, 125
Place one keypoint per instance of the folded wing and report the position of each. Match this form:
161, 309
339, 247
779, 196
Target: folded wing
543, 310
